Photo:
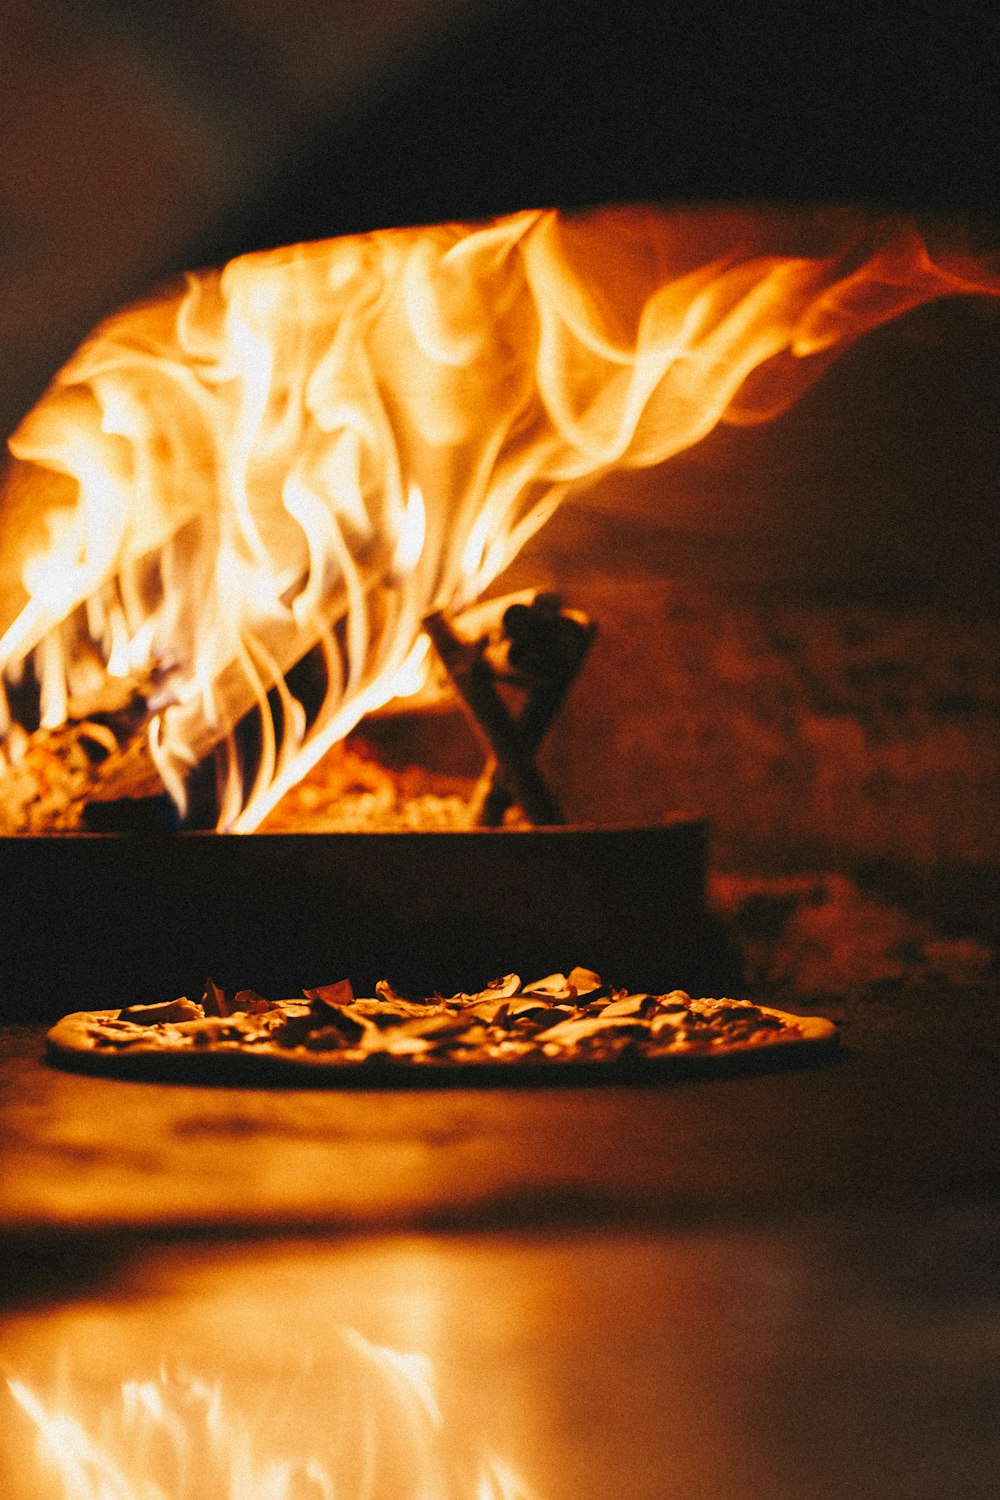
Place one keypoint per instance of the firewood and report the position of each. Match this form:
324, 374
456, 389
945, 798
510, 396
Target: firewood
469, 670
543, 651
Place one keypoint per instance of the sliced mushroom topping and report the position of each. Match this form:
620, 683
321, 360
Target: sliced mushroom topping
251, 1001
334, 995
559, 1017
159, 1015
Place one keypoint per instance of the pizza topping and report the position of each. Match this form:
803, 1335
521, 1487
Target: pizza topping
247, 1000
325, 1039
564, 1018
214, 1001
333, 995
212, 1030
156, 1015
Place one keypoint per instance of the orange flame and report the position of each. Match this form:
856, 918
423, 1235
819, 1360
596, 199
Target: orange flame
312, 448
179, 1435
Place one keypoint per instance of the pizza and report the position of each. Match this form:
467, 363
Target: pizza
563, 1026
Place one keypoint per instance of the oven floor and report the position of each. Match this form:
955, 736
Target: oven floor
907, 1114
821, 1361
783, 1285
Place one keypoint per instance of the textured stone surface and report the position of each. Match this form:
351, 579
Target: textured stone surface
803, 731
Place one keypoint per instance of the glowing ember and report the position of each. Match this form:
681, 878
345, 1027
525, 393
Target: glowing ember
181, 1437
310, 450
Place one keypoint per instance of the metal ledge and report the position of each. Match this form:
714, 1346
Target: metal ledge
93, 920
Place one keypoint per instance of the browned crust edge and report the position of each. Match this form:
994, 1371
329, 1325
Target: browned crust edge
69, 1046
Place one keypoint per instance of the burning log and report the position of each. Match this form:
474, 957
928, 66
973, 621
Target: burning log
540, 650
92, 772
543, 651
469, 670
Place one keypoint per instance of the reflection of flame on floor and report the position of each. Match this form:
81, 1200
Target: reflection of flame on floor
182, 1437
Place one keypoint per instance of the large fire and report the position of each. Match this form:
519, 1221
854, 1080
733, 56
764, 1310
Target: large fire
305, 453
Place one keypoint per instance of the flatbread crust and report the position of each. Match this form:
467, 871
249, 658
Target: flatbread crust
564, 1028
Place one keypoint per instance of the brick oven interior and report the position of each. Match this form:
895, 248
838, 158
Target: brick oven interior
781, 1285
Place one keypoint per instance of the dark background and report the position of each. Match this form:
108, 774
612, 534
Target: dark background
577, 101
141, 136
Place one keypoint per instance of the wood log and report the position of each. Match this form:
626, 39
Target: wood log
474, 679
